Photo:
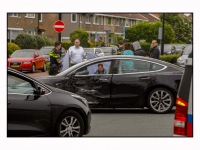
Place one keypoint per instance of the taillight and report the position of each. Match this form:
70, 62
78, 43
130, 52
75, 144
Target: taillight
180, 117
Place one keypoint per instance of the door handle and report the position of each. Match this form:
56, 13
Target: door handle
57, 84
8, 103
146, 78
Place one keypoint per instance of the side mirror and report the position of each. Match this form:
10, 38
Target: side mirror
8, 56
36, 56
96, 52
43, 91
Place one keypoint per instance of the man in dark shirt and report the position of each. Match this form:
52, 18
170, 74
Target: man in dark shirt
121, 46
102, 44
154, 53
55, 59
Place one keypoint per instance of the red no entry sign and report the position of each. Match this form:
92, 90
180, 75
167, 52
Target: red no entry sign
59, 26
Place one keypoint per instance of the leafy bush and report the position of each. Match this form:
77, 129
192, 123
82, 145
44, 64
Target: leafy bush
81, 35
66, 45
91, 45
48, 41
26, 41
146, 47
48, 66
170, 58
40, 41
11, 48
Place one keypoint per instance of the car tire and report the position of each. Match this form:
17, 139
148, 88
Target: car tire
160, 100
44, 68
33, 68
71, 124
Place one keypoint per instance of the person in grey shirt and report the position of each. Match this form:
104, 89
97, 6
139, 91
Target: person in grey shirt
76, 53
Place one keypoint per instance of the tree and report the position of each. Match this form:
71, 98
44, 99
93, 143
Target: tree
26, 41
148, 32
40, 41
81, 35
181, 26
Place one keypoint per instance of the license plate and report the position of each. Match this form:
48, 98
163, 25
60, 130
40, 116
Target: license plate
15, 66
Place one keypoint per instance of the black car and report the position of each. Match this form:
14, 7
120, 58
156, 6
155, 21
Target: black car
36, 109
130, 82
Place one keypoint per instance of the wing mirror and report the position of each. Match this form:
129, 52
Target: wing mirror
8, 56
43, 91
96, 52
36, 56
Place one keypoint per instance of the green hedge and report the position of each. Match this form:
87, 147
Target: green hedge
11, 48
48, 41
146, 47
40, 41
48, 66
26, 41
170, 58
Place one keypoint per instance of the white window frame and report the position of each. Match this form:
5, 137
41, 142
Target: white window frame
94, 20
128, 23
89, 19
12, 15
104, 20
116, 22
32, 32
80, 18
26, 16
13, 29
40, 18
72, 17
111, 21
101, 20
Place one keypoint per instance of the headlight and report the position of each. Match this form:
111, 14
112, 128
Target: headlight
80, 98
27, 62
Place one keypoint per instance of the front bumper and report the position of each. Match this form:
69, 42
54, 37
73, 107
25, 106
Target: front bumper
88, 122
23, 67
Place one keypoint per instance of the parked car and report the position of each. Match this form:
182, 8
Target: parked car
47, 49
36, 109
177, 49
109, 51
27, 60
184, 56
147, 82
168, 49
183, 122
115, 47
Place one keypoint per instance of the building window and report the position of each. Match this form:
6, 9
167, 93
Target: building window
30, 15
14, 15
40, 17
127, 23
96, 20
101, 20
87, 19
80, 18
12, 34
73, 18
117, 22
30, 32
110, 21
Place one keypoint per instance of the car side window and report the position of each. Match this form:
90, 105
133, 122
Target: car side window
36, 53
94, 69
20, 86
39, 53
156, 67
132, 66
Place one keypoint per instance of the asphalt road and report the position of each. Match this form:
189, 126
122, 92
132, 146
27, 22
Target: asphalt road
131, 123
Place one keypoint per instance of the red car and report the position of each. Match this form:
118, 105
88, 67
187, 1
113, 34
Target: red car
27, 60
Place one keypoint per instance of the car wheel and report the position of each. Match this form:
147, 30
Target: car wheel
160, 100
70, 124
44, 68
33, 68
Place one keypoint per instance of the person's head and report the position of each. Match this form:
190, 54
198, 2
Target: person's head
121, 43
102, 43
127, 46
57, 45
154, 43
77, 43
100, 67
136, 45
108, 45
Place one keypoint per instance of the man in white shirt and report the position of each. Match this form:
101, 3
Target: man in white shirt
76, 53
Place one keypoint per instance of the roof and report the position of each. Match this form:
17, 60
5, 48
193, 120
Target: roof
151, 17
136, 16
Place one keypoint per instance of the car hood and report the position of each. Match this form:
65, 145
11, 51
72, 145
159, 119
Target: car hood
20, 59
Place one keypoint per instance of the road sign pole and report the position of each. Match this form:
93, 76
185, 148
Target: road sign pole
59, 34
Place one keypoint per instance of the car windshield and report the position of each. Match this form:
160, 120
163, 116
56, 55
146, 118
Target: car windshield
46, 51
89, 49
22, 54
188, 50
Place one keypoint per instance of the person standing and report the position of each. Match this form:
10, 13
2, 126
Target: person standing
102, 44
138, 50
55, 59
127, 50
154, 53
76, 53
121, 46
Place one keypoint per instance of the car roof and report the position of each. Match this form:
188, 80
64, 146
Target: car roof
28, 50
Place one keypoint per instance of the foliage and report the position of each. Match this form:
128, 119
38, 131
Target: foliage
181, 26
48, 66
48, 41
81, 35
11, 48
146, 47
26, 41
66, 45
91, 45
170, 58
148, 32
119, 37
40, 41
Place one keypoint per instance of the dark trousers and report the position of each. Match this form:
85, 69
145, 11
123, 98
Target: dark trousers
72, 65
53, 70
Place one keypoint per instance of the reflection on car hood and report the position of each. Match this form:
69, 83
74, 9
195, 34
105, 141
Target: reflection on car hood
183, 57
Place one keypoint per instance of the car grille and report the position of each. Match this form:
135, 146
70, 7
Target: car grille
15, 65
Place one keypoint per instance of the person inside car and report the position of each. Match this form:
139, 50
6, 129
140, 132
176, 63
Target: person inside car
100, 69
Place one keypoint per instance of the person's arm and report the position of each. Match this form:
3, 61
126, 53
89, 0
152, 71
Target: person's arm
70, 53
84, 54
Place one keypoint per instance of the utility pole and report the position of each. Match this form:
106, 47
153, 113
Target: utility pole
59, 34
163, 29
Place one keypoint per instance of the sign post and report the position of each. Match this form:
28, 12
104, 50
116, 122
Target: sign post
95, 38
160, 34
123, 33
